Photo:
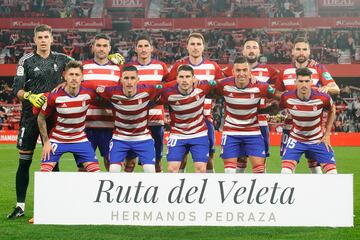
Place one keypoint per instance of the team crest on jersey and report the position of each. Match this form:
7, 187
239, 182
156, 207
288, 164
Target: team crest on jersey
156, 72
252, 96
207, 72
260, 74
112, 72
314, 108
83, 103
140, 101
55, 67
197, 97
20, 71
100, 89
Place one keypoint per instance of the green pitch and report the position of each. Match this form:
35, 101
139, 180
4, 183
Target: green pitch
348, 161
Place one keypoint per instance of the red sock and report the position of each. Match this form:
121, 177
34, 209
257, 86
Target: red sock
92, 167
46, 167
259, 168
288, 164
328, 167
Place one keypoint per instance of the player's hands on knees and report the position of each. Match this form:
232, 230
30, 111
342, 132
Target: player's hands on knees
117, 58
326, 141
47, 149
35, 99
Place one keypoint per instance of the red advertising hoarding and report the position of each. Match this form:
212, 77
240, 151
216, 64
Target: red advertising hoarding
56, 23
126, 3
338, 4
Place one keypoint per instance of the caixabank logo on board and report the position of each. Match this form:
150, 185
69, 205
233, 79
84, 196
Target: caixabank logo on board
286, 23
215, 24
160, 24
88, 24
347, 23
30, 24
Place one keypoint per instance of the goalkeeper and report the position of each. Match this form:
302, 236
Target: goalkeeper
37, 72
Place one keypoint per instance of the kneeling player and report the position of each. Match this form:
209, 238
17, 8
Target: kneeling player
68, 106
306, 107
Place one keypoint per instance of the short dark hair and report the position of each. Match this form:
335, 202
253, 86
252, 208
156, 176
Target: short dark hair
185, 67
102, 36
130, 68
74, 64
240, 59
195, 35
42, 28
143, 37
303, 72
251, 39
300, 40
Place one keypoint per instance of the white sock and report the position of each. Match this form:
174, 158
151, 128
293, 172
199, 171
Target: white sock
333, 171
115, 168
240, 170
286, 170
21, 205
316, 170
181, 170
210, 170
149, 168
230, 170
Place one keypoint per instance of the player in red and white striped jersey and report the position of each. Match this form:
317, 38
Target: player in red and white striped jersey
241, 131
306, 106
100, 71
150, 72
131, 133
261, 73
188, 128
204, 70
321, 79
68, 106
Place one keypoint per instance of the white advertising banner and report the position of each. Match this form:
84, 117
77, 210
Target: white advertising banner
194, 199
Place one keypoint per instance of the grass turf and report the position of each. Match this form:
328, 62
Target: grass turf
347, 162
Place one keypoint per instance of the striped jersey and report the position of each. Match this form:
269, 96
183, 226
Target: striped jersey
69, 114
151, 74
186, 111
263, 73
131, 113
287, 77
98, 115
306, 115
206, 70
241, 106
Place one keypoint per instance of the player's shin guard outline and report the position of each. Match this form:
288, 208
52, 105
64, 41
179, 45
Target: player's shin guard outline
46, 167
92, 167
330, 168
258, 168
288, 167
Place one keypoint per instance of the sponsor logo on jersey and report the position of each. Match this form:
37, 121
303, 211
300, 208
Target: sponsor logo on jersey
100, 89
271, 89
327, 76
20, 71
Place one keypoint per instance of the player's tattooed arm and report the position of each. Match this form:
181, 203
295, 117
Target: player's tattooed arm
45, 155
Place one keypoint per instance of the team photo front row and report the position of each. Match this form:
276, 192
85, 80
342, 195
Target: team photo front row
184, 98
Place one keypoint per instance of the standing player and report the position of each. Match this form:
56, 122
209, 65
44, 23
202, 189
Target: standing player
131, 133
321, 79
306, 107
188, 132
100, 71
241, 132
37, 72
68, 107
262, 73
203, 70
150, 72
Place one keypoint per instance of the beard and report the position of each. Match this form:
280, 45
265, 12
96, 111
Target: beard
252, 60
301, 59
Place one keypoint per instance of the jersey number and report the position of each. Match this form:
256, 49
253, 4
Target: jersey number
291, 143
172, 142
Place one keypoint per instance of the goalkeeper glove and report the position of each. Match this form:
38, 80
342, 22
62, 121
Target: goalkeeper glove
117, 58
37, 100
